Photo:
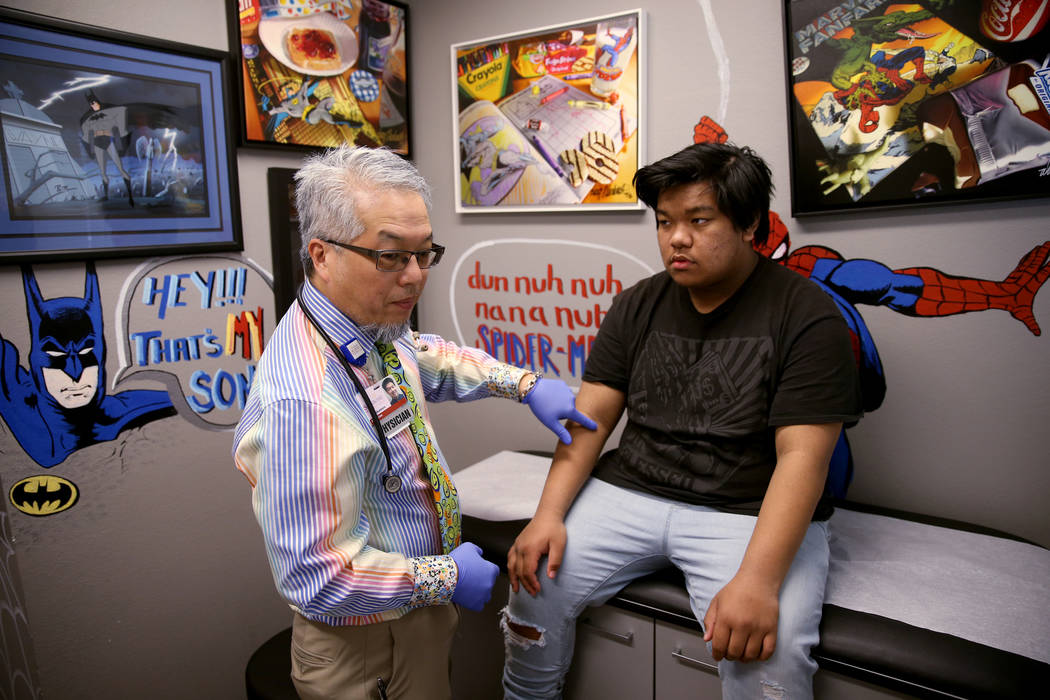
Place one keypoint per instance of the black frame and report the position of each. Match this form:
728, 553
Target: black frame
346, 111
927, 174
51, 205
284, 220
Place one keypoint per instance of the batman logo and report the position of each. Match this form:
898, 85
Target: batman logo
44, 495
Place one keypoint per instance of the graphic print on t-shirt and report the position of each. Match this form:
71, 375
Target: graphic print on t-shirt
706, 386
706, 394
717, 390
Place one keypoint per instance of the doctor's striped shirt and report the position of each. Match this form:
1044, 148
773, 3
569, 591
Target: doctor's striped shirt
343, 550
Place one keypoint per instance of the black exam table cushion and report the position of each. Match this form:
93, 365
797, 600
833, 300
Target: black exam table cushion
871, 648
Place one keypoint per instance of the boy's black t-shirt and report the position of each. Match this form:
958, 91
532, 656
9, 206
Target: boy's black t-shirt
705, 392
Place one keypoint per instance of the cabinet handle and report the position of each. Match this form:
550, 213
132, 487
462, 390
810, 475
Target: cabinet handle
677, 654
624, 638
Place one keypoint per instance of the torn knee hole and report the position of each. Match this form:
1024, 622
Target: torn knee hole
521, 633
773, 691
527, 632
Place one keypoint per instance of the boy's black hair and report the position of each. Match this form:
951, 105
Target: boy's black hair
742, 181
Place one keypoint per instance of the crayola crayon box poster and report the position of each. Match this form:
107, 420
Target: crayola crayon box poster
499, 164
915, 102
549, 118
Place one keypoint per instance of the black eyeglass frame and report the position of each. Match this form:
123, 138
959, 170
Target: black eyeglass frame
376, 254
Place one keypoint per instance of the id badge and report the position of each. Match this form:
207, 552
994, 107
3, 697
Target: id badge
391, 405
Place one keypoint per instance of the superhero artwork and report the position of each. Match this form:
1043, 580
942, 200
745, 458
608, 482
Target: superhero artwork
57, 403
43, 495
915, 102
118, 148
110, 146
919, 292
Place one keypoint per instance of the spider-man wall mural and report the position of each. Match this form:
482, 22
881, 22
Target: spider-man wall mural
923, 292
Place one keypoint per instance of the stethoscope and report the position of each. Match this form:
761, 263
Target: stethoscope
391, 482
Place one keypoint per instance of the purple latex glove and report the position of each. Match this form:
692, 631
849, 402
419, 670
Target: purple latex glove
550, 401
476, 577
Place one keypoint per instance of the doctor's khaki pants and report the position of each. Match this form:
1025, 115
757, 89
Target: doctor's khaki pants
411, 654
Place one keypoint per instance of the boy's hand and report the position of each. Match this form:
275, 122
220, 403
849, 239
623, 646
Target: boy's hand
741, 622
541, 536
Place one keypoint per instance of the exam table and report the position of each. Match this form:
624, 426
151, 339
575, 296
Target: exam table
915, 606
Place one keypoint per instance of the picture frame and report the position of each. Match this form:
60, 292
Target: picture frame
319, 73
885, 105
285, 241
552, 118
284, 237
113, 144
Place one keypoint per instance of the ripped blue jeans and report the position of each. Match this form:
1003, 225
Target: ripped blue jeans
616, 535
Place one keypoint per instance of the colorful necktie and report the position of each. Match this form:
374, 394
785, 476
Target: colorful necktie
445, 498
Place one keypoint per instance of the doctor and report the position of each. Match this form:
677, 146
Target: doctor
362, 525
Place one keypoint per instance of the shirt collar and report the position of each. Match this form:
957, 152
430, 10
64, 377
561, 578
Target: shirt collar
339, 327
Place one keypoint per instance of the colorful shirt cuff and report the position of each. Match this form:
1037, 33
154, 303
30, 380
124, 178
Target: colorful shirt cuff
434, 580
503, 380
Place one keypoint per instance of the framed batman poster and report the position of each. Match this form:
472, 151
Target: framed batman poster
113, 144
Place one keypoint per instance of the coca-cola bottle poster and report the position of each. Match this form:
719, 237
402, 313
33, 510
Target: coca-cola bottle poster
929, 102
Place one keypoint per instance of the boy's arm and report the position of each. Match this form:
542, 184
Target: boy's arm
741, 622
572, 464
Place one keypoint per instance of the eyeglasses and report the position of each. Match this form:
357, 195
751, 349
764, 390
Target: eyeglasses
395, 260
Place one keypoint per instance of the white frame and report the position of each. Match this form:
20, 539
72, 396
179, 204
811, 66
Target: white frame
638, 134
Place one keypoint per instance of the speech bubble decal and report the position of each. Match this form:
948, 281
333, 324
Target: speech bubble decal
538, 308
197, 325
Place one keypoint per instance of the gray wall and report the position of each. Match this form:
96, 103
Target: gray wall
159, 586
156, 583
957, 435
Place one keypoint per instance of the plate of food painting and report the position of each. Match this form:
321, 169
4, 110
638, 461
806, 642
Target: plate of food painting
320, 73
316, 45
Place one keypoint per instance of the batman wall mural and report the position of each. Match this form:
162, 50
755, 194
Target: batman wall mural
59, 404
44, 495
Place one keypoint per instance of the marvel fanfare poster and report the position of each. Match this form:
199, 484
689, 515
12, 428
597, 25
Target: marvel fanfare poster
899, 102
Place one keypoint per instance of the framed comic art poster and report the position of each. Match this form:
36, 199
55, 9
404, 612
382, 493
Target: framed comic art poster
550, 118
113, 144
319, 73
917, 103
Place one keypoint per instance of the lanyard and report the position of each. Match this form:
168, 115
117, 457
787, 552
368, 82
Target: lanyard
391, 481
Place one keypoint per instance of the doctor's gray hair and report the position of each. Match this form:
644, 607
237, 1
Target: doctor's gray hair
327, 185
